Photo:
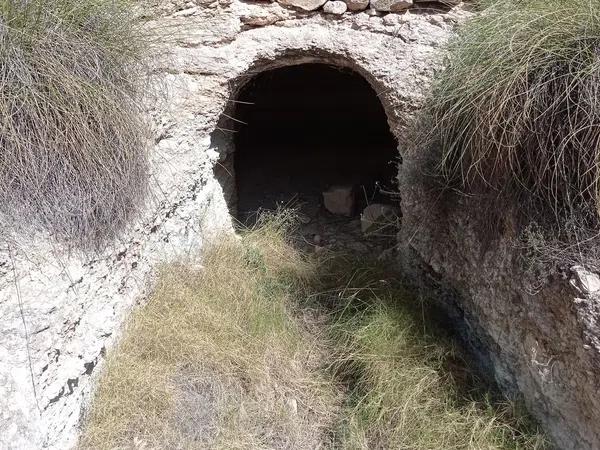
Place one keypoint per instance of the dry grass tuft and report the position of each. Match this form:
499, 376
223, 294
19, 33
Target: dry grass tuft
73, 159
517, 111
267, 348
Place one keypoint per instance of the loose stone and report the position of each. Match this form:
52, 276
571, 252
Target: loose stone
377, 217
340, 200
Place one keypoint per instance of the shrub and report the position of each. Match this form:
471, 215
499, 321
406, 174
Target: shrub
517, 110
72, 142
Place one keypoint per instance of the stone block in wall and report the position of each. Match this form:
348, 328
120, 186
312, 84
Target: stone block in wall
335, 7
306, 5
391, 5
357, 5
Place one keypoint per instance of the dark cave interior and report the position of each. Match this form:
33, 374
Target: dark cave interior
301, 129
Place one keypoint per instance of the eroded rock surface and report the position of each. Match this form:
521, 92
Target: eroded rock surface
537, 336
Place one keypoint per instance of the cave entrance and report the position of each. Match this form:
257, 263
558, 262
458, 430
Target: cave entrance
305, 130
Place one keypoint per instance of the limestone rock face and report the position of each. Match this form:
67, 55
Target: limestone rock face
539, 339
74, 307
306, 5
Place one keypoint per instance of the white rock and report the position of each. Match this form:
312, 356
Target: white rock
585, 281
340, 200
391, 5
292, 405
391, 19
335, 7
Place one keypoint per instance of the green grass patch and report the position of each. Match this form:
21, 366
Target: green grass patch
410, 385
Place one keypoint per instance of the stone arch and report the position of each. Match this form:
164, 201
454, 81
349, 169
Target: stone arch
222, 139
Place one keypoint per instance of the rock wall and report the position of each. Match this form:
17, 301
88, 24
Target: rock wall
60, 313
538, 338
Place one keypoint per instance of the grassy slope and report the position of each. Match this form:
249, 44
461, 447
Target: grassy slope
267, 347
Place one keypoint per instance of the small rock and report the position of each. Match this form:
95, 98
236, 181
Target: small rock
377, 217
306, 5
357, 5
391, 19
585, 281
336, 7
292, 405
317, 239
340, 200
391, 5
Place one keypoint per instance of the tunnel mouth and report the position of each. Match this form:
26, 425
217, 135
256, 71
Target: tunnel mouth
303, 129
304, 137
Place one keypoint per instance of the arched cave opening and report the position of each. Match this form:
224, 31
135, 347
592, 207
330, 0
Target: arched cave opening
301, 130
312, 137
